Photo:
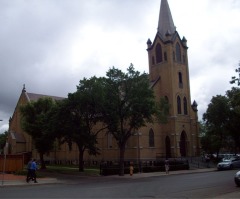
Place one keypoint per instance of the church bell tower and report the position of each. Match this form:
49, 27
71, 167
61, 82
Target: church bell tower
169, 76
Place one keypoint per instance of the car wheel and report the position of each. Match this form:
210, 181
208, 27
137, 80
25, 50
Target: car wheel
231, 166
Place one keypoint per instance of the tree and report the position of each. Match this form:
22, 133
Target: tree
36, 119
129, 104
222, 123
234, 118
79, 117
216, 118
208, 142
236, 79
3, 138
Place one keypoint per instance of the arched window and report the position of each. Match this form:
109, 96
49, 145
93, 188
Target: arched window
153, 60
158, 53
183, 144
151, 138
167, 102
180, 83
178, 53
185, 106
179, 105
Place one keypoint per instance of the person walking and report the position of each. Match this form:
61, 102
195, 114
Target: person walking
29, 176
167, 166
33, 169
131, 168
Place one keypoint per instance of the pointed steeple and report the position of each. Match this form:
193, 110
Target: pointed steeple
24, 89
165, 22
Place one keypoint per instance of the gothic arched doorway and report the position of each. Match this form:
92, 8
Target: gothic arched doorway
183, 144
168, 147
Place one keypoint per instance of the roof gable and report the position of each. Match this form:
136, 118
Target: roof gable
35, 96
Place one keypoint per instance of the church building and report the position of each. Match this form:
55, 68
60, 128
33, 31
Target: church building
169, 78
169, 74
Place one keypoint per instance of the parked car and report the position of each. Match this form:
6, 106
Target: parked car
237, 178
231, 163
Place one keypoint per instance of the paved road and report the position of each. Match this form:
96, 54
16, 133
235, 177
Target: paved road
196, 185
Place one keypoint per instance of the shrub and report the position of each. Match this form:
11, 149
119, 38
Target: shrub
156, 166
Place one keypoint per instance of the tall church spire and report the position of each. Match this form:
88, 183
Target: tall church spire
165, 23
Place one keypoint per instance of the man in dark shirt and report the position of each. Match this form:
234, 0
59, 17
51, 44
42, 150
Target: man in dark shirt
33, 170
29, 176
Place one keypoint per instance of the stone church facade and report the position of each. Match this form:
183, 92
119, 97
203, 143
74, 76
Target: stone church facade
169, 78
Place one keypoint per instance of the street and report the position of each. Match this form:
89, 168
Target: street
216, 184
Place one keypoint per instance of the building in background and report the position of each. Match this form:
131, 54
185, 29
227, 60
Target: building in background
169, 78
169, 74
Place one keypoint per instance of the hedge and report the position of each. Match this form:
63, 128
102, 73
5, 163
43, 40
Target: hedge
155, 166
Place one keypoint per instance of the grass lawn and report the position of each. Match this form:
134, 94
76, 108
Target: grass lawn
63, 169
72, 169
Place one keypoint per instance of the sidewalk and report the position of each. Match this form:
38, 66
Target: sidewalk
153, 174
13, 180
16, 180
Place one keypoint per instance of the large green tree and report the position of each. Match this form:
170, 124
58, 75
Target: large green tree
216, 118
222, 123
234, 117
129, 104
36, 119
79, 117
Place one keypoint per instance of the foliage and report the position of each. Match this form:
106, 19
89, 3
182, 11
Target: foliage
202, 129
216, 118
207, 140
162, 110
3, 138
128, 105
222, 123
78, 116
236, 79
36, 121
158, 166
121, 103
234, 118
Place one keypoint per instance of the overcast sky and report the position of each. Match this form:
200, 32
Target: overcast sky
49, 45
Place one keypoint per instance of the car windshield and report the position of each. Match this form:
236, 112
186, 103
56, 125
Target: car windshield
226, 160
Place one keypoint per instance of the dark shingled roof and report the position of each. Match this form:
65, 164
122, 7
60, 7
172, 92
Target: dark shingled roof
35, 97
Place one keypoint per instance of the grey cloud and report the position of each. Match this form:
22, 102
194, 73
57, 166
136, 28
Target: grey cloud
38, 38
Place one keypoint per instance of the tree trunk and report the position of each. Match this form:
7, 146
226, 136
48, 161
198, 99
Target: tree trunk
121, 160
43, 165
81, 163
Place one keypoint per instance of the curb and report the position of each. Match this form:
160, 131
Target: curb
45, 181
6, 183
